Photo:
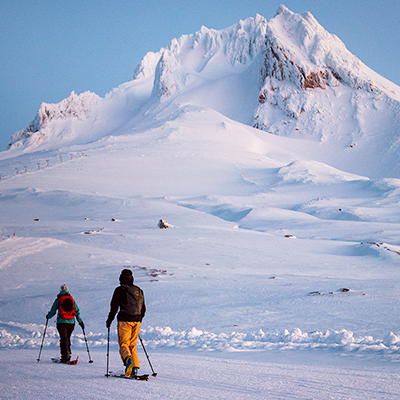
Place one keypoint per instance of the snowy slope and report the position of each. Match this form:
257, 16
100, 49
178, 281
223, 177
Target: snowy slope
281, 244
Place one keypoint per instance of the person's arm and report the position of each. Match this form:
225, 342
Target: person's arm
78, 316
115, 303
143, 312
53, 310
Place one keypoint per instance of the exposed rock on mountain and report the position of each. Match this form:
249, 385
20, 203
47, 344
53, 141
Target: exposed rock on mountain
74, 106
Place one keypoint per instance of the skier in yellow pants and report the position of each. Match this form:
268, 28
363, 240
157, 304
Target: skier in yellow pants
128, 333
129, 299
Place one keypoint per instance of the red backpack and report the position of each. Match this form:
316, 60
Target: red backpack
66, 306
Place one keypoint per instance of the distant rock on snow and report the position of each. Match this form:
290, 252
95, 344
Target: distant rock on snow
164, 224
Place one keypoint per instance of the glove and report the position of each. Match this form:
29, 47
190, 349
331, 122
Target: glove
108, 324
82, 325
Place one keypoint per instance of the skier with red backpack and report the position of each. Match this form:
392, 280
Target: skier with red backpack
67, 311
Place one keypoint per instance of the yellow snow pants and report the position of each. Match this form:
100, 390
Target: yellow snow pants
128, 333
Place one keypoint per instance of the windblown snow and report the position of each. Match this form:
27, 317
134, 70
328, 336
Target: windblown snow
272, 153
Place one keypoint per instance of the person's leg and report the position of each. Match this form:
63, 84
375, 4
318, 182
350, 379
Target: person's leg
65, 331
135, 329
62, 330
124, 334
70, 329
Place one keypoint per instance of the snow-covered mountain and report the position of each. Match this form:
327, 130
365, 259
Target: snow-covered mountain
288, 77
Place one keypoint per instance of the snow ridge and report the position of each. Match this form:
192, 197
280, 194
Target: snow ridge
30, 336
207, 54
240, 43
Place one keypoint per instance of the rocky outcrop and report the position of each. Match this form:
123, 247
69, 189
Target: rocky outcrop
74, 106
301, 60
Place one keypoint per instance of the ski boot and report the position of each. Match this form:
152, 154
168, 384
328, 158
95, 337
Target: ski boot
128, 366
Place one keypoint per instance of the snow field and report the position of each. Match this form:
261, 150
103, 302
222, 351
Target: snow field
277, 376
282, 263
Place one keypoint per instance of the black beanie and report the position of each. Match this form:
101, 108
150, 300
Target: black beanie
126, 277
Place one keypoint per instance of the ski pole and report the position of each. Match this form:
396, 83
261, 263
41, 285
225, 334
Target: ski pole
148, 359
87, 347
44, 333
108, 350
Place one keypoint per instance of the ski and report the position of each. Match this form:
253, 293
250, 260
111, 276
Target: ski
136, 377
58, 361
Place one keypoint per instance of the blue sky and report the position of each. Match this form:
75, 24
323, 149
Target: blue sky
49, 48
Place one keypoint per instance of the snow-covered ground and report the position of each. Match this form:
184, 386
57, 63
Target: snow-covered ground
261, 262
280, 275
186, 375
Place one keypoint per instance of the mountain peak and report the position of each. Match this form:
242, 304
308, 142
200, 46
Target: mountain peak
282, 9
288, 76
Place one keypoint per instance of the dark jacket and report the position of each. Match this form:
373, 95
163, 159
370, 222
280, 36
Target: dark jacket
119, 301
